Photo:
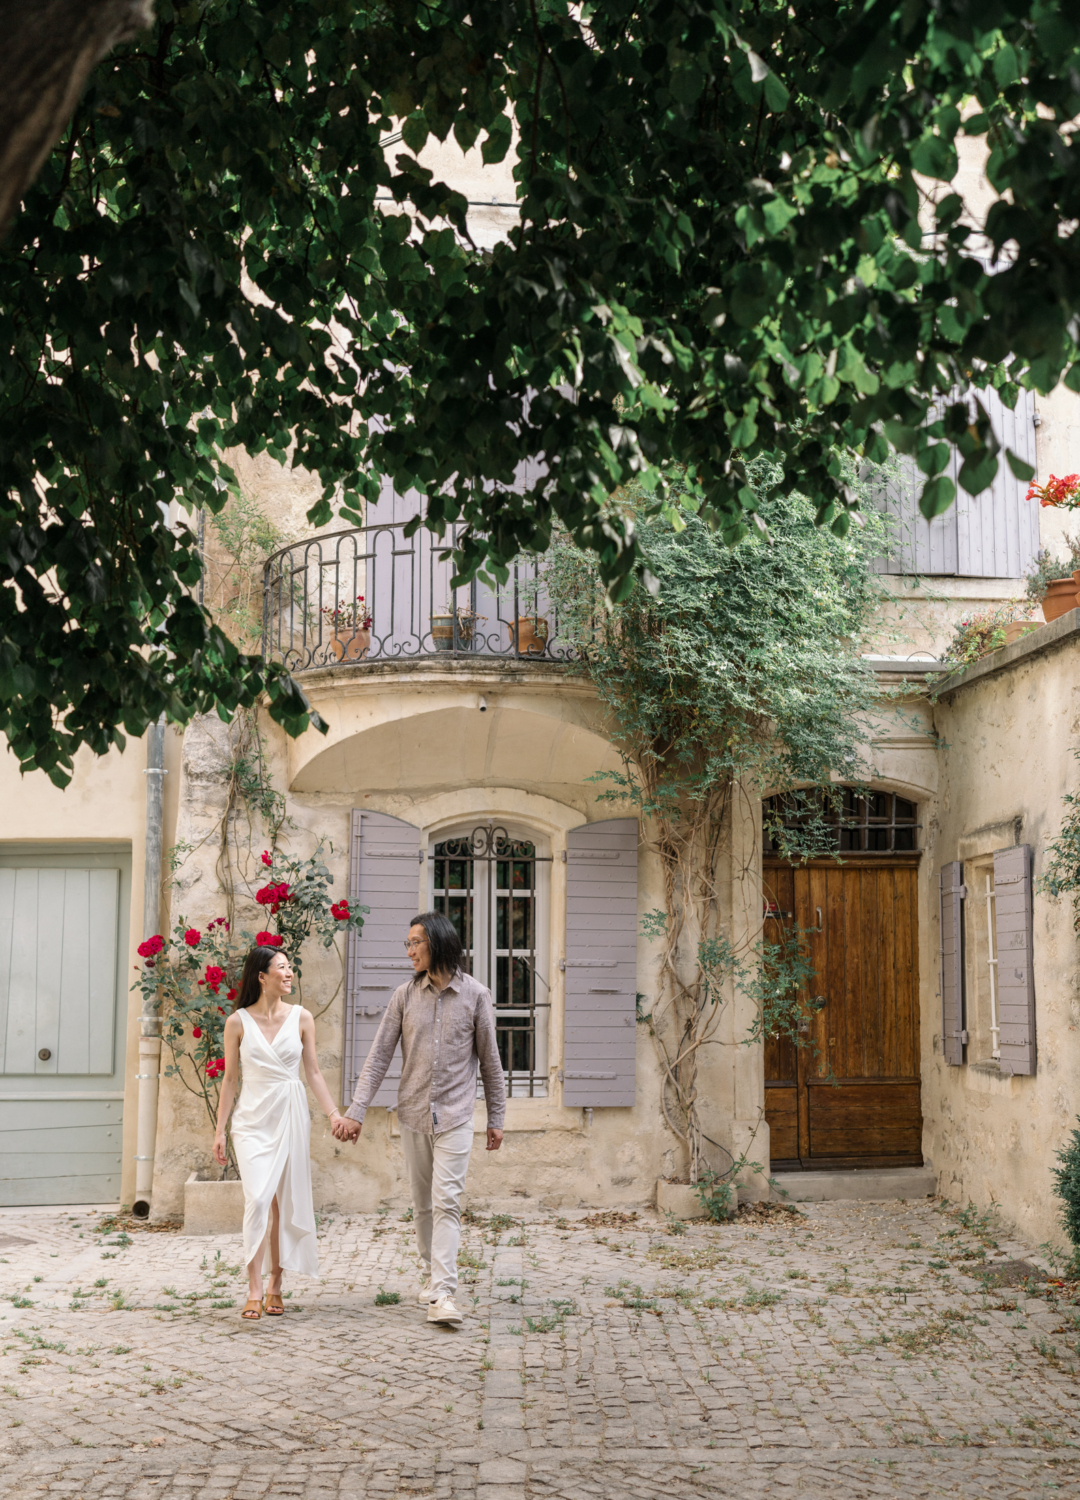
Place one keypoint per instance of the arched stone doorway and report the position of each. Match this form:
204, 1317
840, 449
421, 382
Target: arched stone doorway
846, 1093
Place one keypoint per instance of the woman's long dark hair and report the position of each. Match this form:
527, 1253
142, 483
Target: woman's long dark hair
256, 963
444, 946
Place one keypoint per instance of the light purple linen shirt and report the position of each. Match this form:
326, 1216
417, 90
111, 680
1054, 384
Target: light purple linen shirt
443, 1034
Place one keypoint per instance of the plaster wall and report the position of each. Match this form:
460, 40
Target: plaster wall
1009, 731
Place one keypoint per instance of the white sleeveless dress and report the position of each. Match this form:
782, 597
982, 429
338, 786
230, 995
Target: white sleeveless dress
271, 1133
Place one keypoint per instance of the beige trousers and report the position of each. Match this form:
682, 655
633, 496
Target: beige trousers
437, 1165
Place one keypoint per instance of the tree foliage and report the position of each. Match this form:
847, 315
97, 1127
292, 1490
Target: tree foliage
719, 256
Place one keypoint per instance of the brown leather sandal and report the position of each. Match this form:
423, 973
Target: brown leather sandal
273, 1305
252, 1310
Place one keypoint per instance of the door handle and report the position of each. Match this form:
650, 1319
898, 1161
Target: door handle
819, 921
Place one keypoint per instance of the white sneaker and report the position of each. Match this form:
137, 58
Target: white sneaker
425, 1295
444, 1311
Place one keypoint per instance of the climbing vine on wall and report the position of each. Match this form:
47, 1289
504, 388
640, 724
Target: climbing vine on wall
729, 672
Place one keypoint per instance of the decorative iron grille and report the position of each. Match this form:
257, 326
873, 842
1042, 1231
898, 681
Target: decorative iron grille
487, 884
374, 594
852, 821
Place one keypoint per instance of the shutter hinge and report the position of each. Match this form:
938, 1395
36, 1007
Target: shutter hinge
561, 1079
562, 965
419, 856
961, 891
564, 856
964, 1038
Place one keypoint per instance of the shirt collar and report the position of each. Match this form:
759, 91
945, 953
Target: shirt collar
453, 983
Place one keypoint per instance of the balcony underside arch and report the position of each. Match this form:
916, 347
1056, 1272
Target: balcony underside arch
451, 746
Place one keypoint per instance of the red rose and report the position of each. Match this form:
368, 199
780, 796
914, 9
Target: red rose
192, 937
230, 996
214, 976
267, 861
267, 940
340, 911
196, 1031
152, 946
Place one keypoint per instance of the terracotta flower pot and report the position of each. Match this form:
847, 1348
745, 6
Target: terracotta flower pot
1015, 630
350, 645
529, 635
1061, 596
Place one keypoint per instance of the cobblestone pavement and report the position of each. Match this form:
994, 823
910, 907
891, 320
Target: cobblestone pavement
843, 1351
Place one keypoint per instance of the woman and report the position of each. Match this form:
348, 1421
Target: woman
271, 1130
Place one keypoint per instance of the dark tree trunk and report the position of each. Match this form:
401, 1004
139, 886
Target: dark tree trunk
48, 48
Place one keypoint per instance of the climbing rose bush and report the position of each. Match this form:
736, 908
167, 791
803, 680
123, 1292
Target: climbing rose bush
185, 973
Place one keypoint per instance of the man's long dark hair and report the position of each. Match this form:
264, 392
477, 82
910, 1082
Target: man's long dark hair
444, 946
256, 963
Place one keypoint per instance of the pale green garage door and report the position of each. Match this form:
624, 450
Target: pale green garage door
63, 929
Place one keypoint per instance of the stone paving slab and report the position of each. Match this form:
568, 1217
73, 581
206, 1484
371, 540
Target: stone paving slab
846, 1350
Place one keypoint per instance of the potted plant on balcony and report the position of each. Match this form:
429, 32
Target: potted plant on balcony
442, 626
350, 627
1056, 584
529, 631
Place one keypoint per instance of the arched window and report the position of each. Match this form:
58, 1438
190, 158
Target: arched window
494, 885
855, 822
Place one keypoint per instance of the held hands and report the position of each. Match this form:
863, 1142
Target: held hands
494, 1139
345, 1130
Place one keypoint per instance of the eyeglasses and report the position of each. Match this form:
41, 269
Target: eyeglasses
414, 943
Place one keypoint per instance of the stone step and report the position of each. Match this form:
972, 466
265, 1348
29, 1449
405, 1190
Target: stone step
855, 1182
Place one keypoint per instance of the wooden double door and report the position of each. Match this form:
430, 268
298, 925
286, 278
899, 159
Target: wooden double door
847, 1094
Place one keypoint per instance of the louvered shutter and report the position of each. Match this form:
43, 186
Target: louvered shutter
951, 893
991, 535
384, 855
601, 964
1015, 955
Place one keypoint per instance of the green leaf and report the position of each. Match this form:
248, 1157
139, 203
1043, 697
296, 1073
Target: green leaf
414, 132
1021, 470
937, 495
934, 156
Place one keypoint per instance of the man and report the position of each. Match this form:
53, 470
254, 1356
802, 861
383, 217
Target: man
446, 1024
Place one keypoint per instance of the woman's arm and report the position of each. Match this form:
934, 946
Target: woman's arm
312, 1071
234, 1030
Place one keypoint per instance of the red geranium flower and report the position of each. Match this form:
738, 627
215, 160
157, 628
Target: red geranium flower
340, 911
196, 1031
151, 947
192, 937
267, 940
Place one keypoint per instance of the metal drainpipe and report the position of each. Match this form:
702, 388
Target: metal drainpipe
150, 1024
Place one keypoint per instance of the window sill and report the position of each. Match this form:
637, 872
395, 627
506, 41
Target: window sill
987, 1078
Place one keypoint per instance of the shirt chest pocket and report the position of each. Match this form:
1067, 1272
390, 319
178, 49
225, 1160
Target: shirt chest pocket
457, 1027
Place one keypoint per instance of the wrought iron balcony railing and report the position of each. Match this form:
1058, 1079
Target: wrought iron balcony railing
373, 594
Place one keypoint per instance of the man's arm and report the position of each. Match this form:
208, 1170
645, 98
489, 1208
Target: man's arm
491, 1070
378, 1060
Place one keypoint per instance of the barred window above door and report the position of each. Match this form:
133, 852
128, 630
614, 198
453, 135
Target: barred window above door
851, 821
494, 888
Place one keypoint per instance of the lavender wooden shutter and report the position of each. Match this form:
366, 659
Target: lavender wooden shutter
601, 964
1015, 958
384, 855
952, 892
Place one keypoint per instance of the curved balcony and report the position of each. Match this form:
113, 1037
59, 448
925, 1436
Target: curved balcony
372, 594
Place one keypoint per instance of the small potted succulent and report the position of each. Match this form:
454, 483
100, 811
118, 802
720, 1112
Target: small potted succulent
1056, 584
350, 627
